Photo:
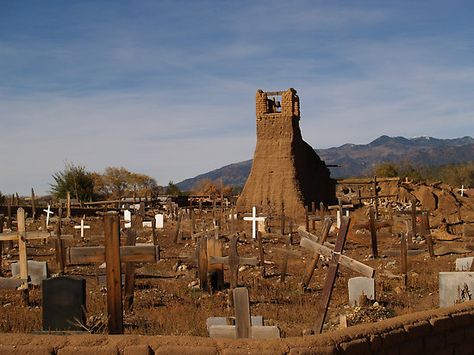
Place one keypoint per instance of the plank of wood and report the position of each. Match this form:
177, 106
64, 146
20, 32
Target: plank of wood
90, 255
242, 312
344, 260
129, 286
114, 274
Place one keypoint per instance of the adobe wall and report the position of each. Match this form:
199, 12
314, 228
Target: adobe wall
441, 331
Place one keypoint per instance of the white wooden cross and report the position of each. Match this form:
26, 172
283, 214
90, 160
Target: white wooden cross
48, 212
461, 190
82, 227
254, 220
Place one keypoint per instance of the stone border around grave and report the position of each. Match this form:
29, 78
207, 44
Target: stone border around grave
444, 330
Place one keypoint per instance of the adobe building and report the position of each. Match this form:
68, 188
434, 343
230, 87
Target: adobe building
285, 168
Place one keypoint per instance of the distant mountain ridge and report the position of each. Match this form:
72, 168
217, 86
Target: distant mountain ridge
359, 159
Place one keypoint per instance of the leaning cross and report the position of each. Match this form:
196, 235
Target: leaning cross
233, 260
82, 227
254, 220
113, 255
336, 259
48, 212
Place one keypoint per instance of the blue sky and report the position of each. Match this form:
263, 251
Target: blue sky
167, 88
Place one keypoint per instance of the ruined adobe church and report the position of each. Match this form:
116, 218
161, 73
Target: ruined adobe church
285, 168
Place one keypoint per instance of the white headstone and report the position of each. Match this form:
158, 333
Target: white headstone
358, 286
159, 221
127, 216
464, 264
146, 224
455, 287
37, 271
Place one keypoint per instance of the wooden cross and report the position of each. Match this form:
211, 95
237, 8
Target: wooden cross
372, 225
336, 259
48, 212
313, 262
287, 252
243, 327
254, 220
233, 260
82, 227
113, 255
462, 190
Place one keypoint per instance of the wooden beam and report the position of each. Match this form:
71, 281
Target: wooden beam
242, 312
137, 254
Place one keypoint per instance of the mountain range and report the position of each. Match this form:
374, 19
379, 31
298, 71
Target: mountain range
354, 160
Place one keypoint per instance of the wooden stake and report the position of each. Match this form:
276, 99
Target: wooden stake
403, 257
33, 204
23, 260
284, 264
60, 255
178, 227
331, 276
68, 202
242, 312
313, 262
113, 270
261, 253
129, 286
306, 218
425, 222
373, 233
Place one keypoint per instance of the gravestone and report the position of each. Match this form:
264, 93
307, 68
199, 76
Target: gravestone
127, 216
37, 271
64, 304
359, 286
464, 264
455, 287
159, 221
147, 224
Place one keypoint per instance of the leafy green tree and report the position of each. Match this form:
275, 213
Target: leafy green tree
74, 179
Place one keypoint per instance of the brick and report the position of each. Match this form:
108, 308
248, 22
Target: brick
412, 347
137, 350
320, 350
86, 350
462, 319
442, 324
186, 350
418, 329
434, 342
393, 338
464, 349
359, 346
25, 349
455, 337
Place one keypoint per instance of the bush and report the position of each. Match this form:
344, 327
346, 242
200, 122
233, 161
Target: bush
74, 179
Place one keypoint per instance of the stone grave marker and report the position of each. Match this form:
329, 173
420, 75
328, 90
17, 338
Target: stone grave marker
464, 264
64, 304
159, 221
455, 287
359, 286
147, 224
37, 271
127, 216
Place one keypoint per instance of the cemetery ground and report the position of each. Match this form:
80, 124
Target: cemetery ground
169, 301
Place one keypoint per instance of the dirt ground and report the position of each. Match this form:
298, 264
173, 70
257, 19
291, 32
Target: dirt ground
171, 303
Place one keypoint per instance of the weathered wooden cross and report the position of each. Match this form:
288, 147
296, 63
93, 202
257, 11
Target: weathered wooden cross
336, 258
113, 255
254, 219
372, 225
243, 327
233, 260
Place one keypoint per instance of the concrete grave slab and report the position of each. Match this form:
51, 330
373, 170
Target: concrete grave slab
37, 271
455, 287
464, 264
358, 286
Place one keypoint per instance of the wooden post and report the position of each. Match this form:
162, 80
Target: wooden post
203, 263
23, 260
425, 222
313, 262
313, 212
306, 218
193, 220
60, 256
242, 312
282, 219
376, 194
178, 227
153, 232
33, 204
9, 214
129, 286
403, 257
261, 253
68, 202
284, 264
332, 274
113, 270
2, 220
413, 221
373, 233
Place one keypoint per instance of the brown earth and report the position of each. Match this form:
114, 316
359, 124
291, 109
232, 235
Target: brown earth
171, 304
